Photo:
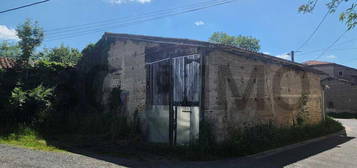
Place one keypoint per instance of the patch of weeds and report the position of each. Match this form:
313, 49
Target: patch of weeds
265, 137
343, 115
248, 141
28, 138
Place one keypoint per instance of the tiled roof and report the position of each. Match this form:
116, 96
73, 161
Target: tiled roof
316, 63
6, 63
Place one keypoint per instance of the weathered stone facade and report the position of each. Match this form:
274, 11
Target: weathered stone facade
242, 91
335, 70
341, 96
240, 88
340, 84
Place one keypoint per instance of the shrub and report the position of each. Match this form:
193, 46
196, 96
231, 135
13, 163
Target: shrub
31, 106
27, 93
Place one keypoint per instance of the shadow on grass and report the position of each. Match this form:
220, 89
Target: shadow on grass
131, 155
343, 115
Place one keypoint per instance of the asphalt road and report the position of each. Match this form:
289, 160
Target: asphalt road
339, 151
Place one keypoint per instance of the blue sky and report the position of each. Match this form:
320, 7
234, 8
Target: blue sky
276, 23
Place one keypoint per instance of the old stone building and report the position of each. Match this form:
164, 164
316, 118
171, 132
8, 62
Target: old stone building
340, 86
173, 85
334, 70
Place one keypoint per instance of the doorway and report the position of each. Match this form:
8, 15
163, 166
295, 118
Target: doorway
174, 94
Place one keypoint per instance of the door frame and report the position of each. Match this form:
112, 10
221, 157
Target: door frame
173, 107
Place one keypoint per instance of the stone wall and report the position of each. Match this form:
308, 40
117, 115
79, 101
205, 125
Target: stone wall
239, 91
242, 92
338, 71
341, 96
328, 69
116, 63
126, 62
346, 73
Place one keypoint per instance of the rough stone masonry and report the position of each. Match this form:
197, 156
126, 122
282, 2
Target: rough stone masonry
239, 88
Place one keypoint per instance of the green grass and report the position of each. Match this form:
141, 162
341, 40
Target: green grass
250, 141
343, 115
242, 142
27, 138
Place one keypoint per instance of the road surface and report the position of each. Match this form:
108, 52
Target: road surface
332, 152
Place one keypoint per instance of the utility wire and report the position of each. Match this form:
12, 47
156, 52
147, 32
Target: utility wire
337, 49
347, 41
330, 46
68, 28
132, 19
79, 28
314, 32
80, 33
20, 7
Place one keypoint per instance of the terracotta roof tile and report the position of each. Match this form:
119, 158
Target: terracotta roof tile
6, 63
316, 63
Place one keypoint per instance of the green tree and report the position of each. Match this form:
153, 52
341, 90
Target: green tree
348, 16
61, 54
246, 42
9, 50
89, 49
31, 36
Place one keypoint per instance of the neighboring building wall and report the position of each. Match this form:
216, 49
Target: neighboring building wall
328, 69
338, 71
231, 80
346, 73
341, 96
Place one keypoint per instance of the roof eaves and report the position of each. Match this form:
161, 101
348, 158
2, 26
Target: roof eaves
197, 43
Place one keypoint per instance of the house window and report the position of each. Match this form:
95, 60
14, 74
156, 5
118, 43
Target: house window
340, 73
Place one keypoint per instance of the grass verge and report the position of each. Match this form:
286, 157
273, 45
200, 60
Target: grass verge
250, 141
343, 115
28, 138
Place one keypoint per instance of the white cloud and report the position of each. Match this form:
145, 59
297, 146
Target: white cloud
7, 33
126, 1
199, 23
284, 56
267, 53
331, 57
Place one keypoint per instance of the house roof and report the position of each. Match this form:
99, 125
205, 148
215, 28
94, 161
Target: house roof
313, 62
320, 63
6, 63
197, 43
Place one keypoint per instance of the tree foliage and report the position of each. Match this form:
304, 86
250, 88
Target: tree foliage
61, 54
89, 49
348, 16
31, 36
29, 94
9, 50
246, 42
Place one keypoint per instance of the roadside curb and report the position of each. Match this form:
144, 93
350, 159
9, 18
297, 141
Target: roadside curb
292, 146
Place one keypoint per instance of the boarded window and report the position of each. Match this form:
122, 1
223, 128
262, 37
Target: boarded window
186, 74
160, 83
